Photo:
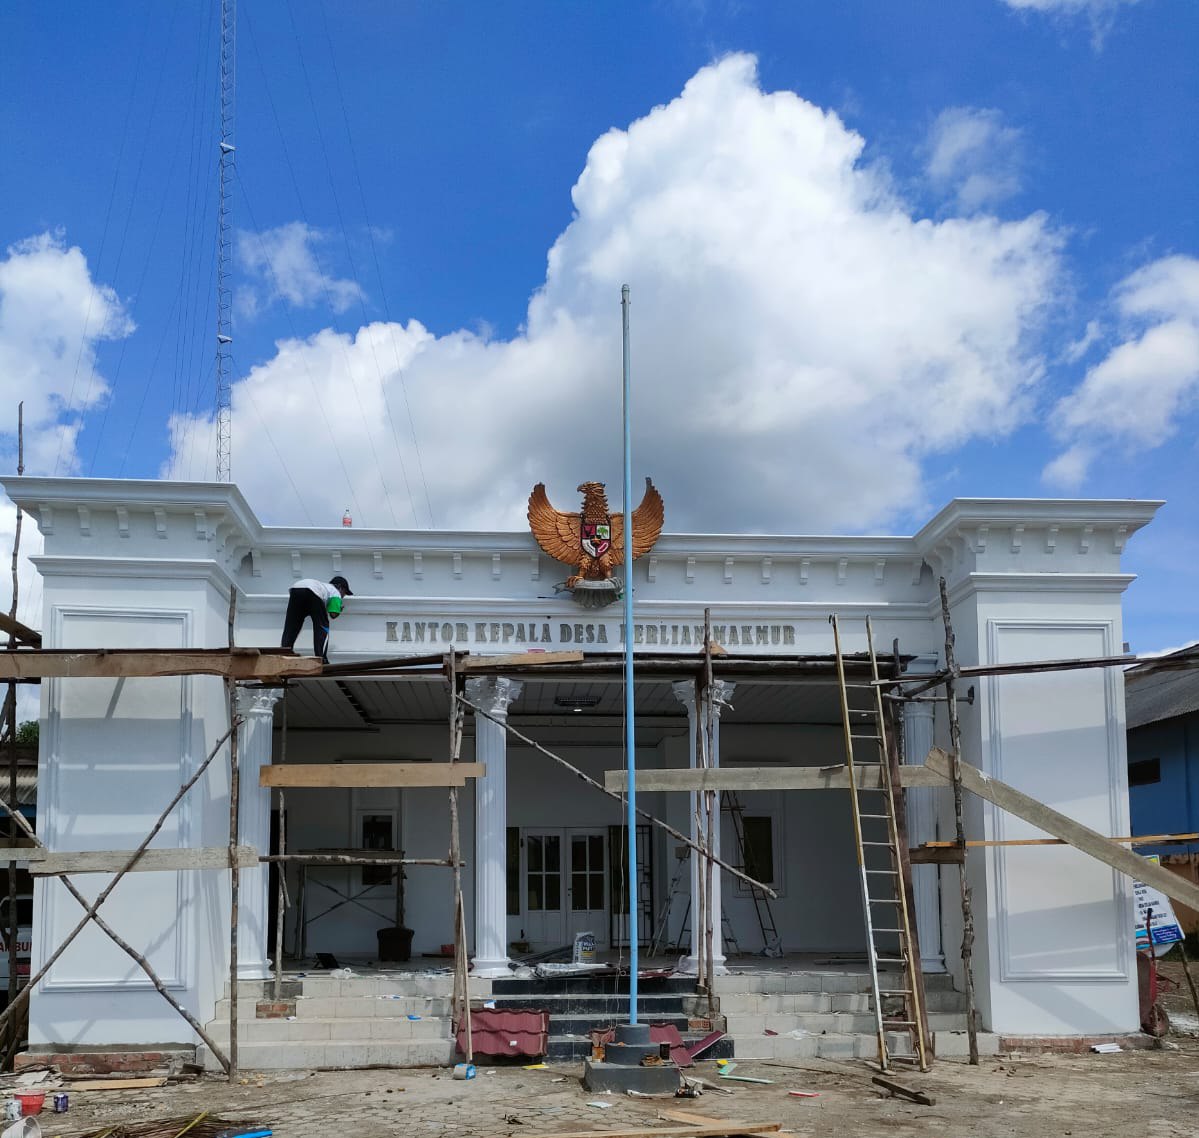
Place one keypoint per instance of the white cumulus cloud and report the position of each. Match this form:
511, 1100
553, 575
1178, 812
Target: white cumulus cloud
283, 264
801, 342
975, 156
1101, 14
1137, 395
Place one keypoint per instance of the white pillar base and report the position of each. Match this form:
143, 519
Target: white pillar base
689, 966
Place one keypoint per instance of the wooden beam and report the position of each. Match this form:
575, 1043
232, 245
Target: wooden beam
19, 631
370, 774
114, 663
927, 855
1134, 840
518, 659
111, 861
697, 1130
1081, 837
689, 1116
763, 778
22, 853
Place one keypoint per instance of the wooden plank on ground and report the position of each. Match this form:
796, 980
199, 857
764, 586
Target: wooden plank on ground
716, 1130
113, 861
1079, 836
19, 631
763, 778
690, 1116
118, 1084
922, 1097
369, 774
236, 663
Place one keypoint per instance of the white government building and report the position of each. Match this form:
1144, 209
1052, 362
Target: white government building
151, 564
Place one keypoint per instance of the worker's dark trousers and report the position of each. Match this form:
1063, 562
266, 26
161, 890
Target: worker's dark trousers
301, 604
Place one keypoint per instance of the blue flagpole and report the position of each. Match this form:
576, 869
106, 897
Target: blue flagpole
630, 737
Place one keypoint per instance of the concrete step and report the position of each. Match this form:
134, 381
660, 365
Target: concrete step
347, 1007
772, 1003
948, 1045
833, 982
322, 984
298, 1056
836, 1023
394, 1029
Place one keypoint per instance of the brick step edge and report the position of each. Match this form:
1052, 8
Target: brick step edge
114, 1061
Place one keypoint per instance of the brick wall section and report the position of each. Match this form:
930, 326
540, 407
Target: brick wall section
269, 1009
105, 1062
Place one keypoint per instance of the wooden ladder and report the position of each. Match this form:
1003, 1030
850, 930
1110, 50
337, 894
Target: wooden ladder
896, 981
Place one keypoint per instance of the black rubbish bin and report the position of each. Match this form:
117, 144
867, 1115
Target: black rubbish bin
395, 943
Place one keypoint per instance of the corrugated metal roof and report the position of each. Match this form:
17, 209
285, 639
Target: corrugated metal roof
1153, 695
507, 1031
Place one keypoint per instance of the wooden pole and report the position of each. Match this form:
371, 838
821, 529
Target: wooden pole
700, 916
1186, 971
678, 834
955, 749
712, 919
281, 870
234, 869
461, 975
11, 714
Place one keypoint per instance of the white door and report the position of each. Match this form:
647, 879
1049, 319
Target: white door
587, 884
543, 896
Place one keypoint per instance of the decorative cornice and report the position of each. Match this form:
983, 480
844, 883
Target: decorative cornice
1076, 583
154, 568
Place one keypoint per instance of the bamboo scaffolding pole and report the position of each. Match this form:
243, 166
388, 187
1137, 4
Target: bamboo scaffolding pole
955, 748
13, 1033
353, 859
234, 869
619, 798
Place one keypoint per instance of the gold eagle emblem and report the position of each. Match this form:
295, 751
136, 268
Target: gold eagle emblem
593, 541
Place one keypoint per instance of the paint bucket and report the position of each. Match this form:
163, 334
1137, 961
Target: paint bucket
584, 952
464, 1071
23, 1128
31, 1101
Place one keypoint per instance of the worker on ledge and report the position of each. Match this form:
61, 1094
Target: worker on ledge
321, 602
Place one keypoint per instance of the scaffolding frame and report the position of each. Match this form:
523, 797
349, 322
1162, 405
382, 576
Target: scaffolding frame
272, 667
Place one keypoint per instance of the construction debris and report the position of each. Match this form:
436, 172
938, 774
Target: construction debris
904, 1092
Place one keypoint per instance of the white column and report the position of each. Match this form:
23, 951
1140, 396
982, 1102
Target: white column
491, 822
922, 825
256, 706
684, 691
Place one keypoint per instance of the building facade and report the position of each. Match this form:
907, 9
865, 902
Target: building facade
152, 564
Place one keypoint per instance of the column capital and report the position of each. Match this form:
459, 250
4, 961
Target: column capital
257, 701
494, 693
721, 692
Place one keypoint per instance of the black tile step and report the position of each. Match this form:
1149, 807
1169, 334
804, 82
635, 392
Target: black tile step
582, 1025
574, 1047
647, 1006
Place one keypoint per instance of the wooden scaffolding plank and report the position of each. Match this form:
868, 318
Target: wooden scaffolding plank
19, 631
112, 861
764, 778
370, 774
103, 663
1081, 837
517, 659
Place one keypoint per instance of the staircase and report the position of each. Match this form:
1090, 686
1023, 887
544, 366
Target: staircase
579, 1004
326, 1022
830, 1015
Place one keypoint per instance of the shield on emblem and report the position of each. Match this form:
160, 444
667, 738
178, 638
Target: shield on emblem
596, 538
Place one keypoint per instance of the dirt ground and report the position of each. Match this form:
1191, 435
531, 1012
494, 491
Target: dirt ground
1150, 1092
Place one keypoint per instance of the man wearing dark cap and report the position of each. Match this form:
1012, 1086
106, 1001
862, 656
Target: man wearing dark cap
320, 602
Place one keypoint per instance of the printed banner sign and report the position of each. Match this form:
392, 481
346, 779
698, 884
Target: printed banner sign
1166, 929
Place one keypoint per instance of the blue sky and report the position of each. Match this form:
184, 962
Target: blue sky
881, 255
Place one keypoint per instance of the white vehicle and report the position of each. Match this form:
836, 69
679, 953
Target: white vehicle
24, 940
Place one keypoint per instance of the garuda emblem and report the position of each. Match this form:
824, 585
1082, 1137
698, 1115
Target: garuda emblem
593, 541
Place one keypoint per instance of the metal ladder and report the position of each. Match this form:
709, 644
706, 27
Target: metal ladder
771, 941
884, 890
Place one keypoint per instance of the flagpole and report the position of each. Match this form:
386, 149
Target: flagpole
630, 737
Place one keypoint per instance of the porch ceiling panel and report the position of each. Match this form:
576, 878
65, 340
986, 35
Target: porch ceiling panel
402, 700
319, 704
